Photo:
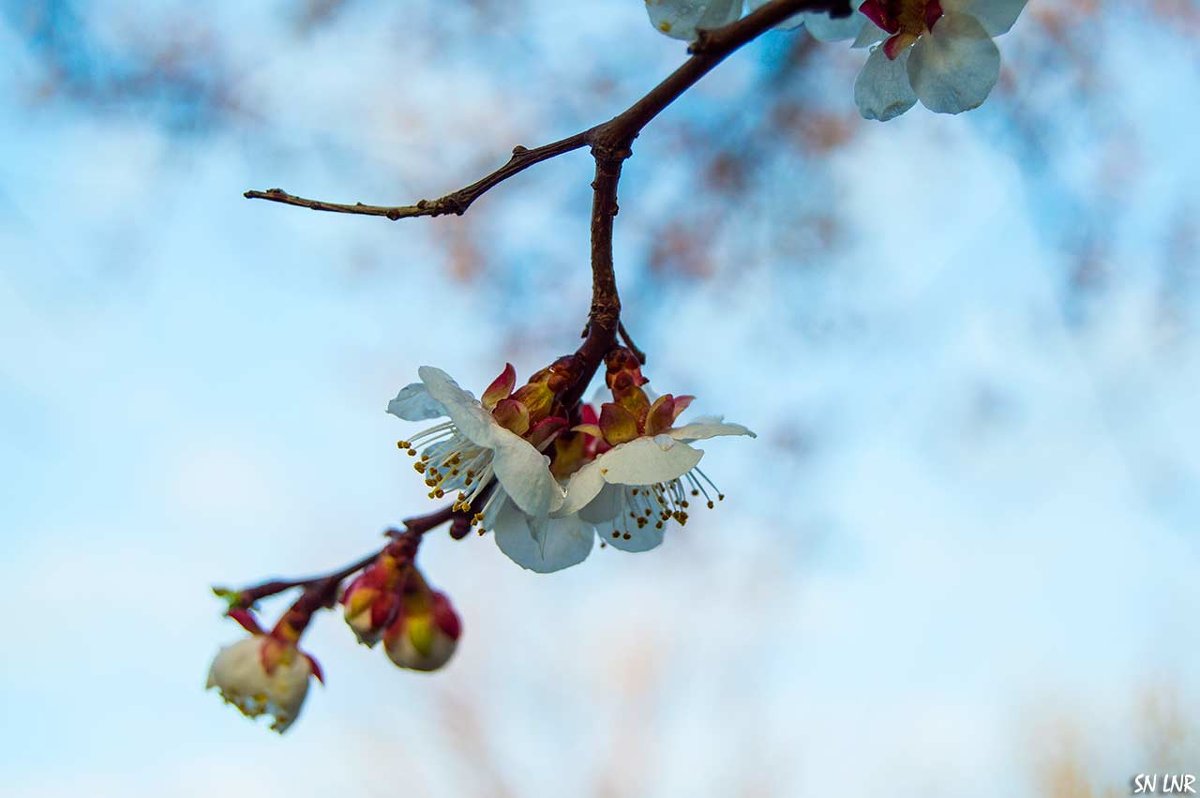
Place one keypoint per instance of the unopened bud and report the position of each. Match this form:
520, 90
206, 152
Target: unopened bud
262, 675
425, 634
372, 601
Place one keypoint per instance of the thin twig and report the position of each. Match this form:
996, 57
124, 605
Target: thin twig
415, 526
455, 202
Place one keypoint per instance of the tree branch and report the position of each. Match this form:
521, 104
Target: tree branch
455, 202
611, 143
413, 527
617, 134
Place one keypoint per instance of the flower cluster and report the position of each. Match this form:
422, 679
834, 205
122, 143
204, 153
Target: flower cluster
937, 51
545, 487
541, 471
389, 601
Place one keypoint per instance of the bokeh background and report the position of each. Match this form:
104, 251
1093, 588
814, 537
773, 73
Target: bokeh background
960, 559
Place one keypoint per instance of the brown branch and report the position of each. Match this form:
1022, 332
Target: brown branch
413, 528
611, 143
455, 202
617, 134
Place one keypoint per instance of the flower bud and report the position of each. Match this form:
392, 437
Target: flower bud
262, 675
425, 634
372, 600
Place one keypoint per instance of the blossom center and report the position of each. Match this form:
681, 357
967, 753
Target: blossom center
906, 20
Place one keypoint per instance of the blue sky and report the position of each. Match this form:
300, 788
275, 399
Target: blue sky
971, 511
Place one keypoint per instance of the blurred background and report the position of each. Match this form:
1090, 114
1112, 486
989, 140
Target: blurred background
960, 559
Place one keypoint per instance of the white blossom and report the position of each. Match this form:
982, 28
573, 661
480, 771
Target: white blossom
632, 491
682, 19
261, 675
937, 51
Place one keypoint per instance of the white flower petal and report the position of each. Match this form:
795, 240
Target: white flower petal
582, 488
524, 473
680, 19
542, 545
825, 28
954, 68
996, 16
414, 403
882, 90
643, 539
702, 429
607, 505
870, 34
475, 423
648, 461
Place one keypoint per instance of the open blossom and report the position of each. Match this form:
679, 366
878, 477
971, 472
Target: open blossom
263, 675
501, 436
649, 476
681, 19
937, 51
425, 633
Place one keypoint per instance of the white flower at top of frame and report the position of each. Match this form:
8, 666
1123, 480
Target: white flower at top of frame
937, 51
682, 19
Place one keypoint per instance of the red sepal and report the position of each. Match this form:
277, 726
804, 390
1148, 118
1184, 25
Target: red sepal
316, 667
445, 617
245, 618
501, 387
877, 12
933, 12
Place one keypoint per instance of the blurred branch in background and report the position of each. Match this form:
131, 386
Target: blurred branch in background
1075, 750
